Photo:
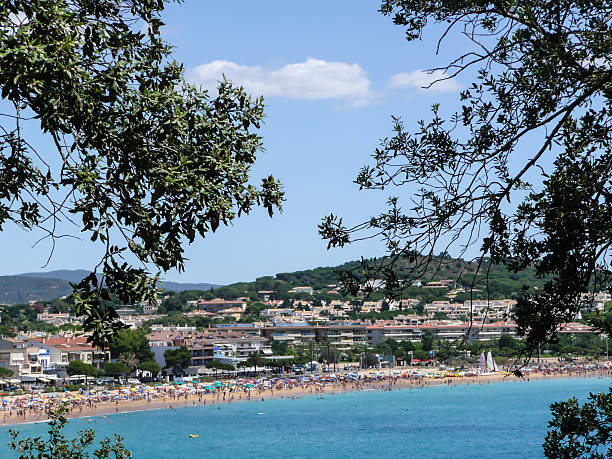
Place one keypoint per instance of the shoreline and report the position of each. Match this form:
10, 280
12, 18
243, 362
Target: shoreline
176, 401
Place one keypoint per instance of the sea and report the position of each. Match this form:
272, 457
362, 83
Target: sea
507, 419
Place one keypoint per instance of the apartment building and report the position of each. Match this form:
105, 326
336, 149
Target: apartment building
64, 349
224, 308
342, 336
594, 301
307, 290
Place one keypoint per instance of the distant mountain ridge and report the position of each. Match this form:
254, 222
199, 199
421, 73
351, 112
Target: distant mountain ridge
44, 286
70, 275
501, 283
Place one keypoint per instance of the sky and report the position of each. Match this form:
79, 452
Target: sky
332, 74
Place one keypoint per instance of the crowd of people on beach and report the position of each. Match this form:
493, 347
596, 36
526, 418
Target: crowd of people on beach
35, 407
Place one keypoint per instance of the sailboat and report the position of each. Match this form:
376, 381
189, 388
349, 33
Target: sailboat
487, 365
491, 365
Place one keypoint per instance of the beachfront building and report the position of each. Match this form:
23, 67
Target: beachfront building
162, 340
227, 345
17, 355
35, 355
14, 355
291, 333
64, 349
242, 345
343, 336
202, 352
397, 331
442, 330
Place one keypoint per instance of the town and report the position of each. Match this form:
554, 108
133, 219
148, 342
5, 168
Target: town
302, 330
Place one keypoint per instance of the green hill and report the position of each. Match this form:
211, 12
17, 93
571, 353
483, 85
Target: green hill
44, 286
500, 283
21, 289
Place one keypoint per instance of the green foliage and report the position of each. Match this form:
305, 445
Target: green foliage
421, 354
507, 341
428, 340
130, 360
255, 308
578, 344
580, 431
255, 360
370, 360
220, 365
602, 320
541, 74
177, 359
59, 447
115, 369
78, 367
279, 347
146, 161
5, 372
178, 301
131, 341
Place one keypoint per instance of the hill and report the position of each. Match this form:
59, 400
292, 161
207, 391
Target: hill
70, 275
21, 289
44, 286
501, 282
182, 286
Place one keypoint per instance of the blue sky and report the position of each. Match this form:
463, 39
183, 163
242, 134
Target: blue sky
332, 74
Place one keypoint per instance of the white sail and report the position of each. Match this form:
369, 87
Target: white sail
490, 362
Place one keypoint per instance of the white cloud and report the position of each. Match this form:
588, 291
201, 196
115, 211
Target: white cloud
313, 79
421, 79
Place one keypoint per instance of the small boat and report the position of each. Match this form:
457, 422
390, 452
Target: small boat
193, 435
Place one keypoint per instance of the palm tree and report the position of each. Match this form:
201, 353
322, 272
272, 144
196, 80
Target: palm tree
256, 359
129, 360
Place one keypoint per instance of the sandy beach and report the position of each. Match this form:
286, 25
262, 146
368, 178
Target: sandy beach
174, 397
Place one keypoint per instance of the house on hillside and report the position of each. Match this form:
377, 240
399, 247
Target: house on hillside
307, 290
225, 308
265, 295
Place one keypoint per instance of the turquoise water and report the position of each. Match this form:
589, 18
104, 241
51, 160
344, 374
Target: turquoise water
479, 421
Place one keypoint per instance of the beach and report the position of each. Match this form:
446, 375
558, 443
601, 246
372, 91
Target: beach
34, 408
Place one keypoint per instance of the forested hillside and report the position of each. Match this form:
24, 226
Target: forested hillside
18, 289
44, 286
499, 282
